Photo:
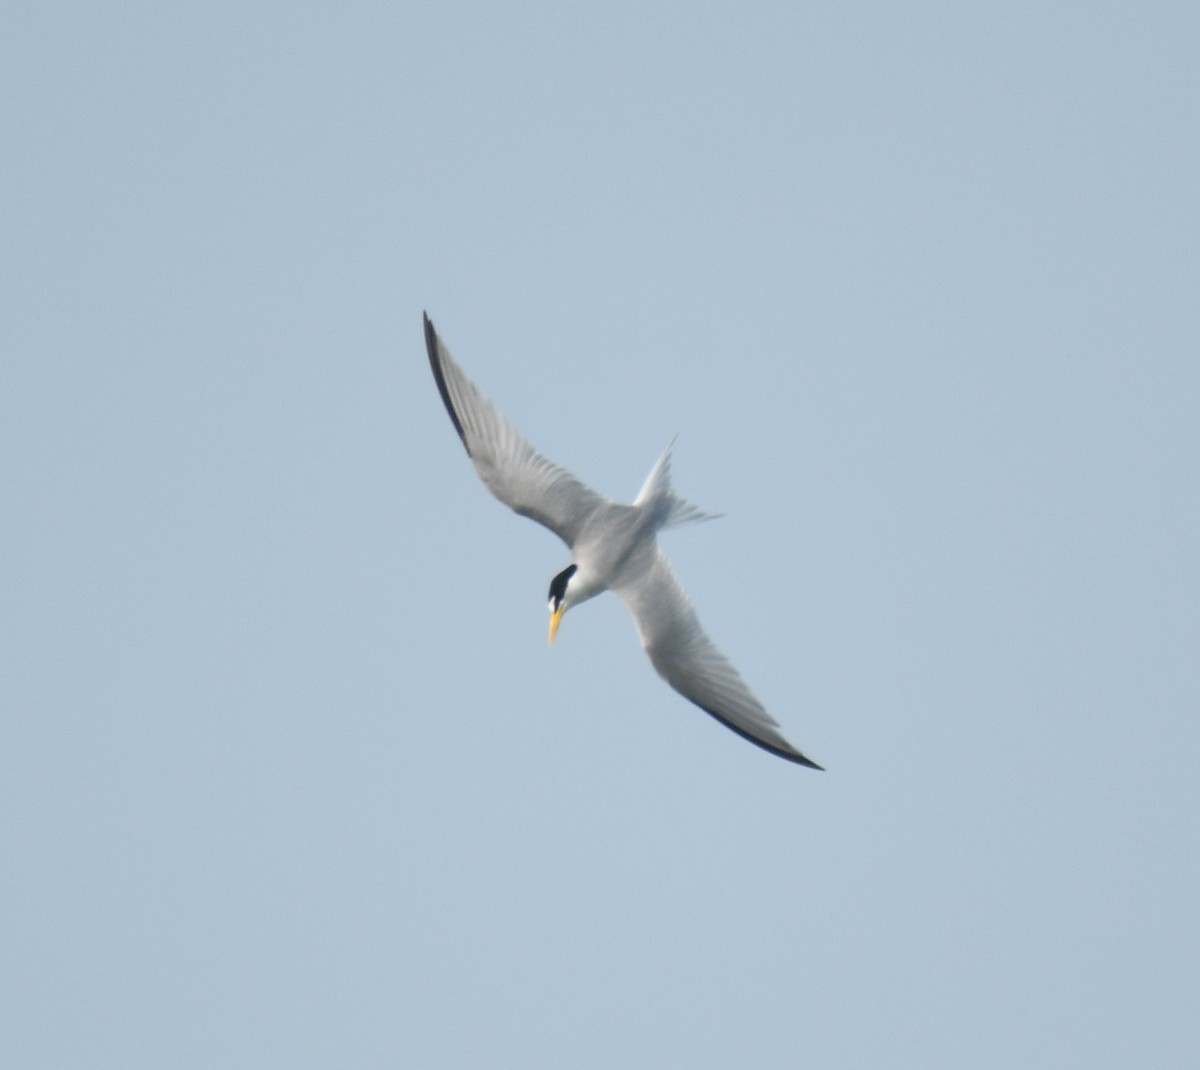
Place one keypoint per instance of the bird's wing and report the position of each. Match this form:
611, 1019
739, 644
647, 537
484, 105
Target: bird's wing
514, 472
689, 661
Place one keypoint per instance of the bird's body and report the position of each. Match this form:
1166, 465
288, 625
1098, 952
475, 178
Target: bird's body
614, 546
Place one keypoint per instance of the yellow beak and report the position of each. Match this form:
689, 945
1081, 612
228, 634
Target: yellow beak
555, 617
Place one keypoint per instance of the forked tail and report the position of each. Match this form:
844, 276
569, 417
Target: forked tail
657, 488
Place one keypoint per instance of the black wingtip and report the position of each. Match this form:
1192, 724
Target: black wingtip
433, 348
788, 755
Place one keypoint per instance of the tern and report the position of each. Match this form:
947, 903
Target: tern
613, 547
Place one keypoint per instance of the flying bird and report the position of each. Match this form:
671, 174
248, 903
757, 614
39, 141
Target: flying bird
613, 547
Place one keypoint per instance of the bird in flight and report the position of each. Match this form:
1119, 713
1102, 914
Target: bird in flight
613, 547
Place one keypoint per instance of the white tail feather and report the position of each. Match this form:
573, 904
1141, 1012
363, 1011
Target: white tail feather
657, 488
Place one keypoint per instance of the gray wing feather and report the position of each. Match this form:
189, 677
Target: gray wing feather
511, 468
688, 660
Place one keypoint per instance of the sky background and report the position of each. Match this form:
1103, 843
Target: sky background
288, 776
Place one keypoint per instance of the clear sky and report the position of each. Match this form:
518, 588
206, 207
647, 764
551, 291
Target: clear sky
288, 776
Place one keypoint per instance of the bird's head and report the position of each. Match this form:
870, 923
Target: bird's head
562, 597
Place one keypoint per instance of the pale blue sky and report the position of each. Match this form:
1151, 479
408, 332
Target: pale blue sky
288, 776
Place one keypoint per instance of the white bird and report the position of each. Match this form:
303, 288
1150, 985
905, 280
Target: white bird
613, 547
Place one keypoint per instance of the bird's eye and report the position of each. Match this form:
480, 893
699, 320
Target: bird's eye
558, 585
